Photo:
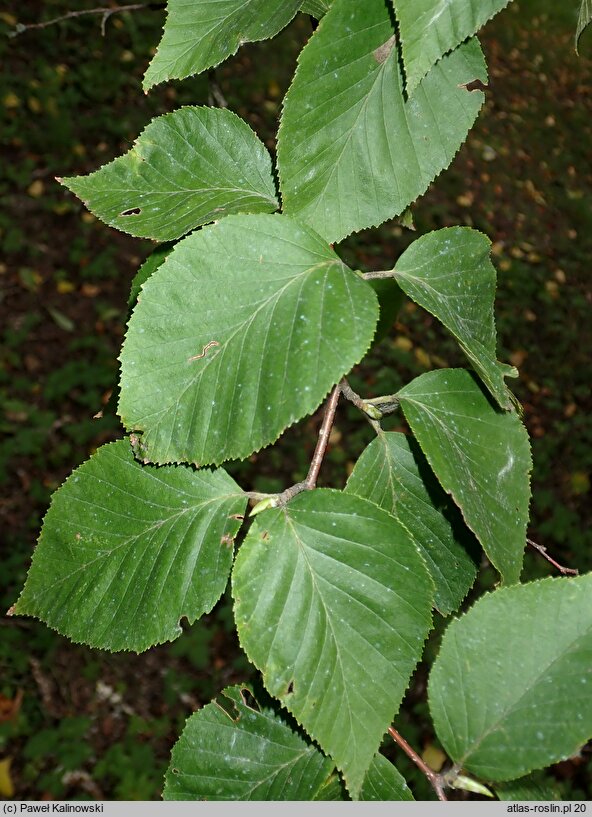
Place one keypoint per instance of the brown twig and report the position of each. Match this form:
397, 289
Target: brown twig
435, 779
319, 452
543, 551
105, 12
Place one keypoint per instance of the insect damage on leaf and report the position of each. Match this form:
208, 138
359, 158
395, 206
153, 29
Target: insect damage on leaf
383, 52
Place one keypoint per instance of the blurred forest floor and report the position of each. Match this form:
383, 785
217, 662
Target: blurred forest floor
80, 723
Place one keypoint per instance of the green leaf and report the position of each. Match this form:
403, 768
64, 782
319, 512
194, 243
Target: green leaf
393, 473
449, 273
390, 299
536, 786
584, 20
384, 782
127, 550
235, 750
186, 168
481, 457
431, 28
150, 265
510, 689
203, 33
332, 604
352, 151
316, 8
266, 319
333, 789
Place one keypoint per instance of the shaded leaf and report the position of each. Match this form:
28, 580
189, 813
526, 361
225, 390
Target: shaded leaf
233, 750
150, 265
267, 319
202, 33
449, 273
63, 321
431, 28
535, 786
347, 126
393, 473
127, 550
332, 604
584, 20
481, 457
390, 299
186, 168
510, 689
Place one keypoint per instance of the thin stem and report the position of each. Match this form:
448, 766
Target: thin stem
319, 452
543, 551
216, 98
371, 414
374, 407
372, 276
106, 13
323, 440
435, 779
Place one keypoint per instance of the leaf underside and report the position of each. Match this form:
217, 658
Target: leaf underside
352, 151
481, 457
127, 550
449, 273
393, 473
332, 604
242, 331
510, 689
202, 33
431, 28
186, 168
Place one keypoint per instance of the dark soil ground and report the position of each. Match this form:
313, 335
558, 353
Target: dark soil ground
80, 723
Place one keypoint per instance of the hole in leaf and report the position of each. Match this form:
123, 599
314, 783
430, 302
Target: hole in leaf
249, 699
134, 211
475, 85
229, 707
290, 688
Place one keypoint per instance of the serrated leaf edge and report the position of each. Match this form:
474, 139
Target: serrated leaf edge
355, 794
338, 238
454, 624
451, 494
411, 87
15, 608
65, 180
